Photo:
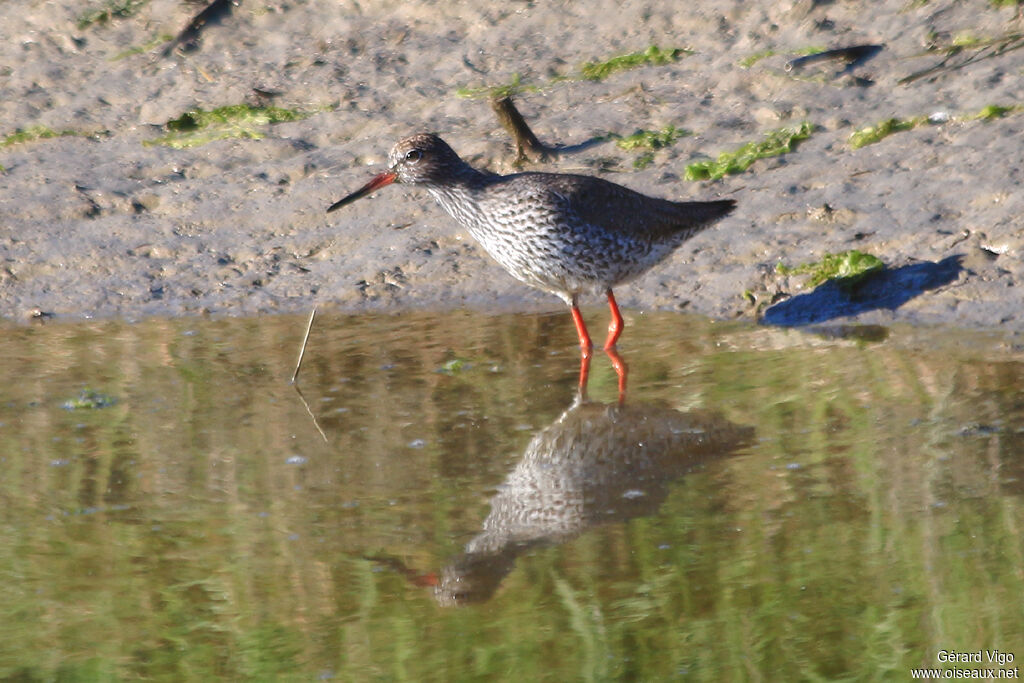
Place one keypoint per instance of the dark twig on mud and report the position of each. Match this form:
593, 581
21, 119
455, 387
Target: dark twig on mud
528, 147
853, 55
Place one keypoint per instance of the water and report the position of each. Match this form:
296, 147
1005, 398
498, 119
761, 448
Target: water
765, 505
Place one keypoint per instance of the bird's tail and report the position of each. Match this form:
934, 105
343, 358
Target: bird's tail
706, 213
694, 217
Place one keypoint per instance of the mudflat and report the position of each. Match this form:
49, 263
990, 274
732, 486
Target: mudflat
107, 212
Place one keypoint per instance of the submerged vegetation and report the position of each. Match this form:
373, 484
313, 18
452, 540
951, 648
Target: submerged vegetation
90, 399
846, 268
774, 143
198, 127
207, 493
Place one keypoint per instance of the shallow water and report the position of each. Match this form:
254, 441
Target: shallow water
766, 504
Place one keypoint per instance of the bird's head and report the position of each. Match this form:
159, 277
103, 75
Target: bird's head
421, 159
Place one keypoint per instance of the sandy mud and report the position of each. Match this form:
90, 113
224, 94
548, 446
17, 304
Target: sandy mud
101, 222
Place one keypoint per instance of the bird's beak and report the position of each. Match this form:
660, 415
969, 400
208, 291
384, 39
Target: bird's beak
378, 181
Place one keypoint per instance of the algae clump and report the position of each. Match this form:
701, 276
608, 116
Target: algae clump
652, 56
33, 133
846, 268
872, 134
774, 143
198, 127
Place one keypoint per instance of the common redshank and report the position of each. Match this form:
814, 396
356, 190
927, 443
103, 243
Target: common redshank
564, 234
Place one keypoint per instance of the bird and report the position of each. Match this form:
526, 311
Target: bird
566, 234
596, 464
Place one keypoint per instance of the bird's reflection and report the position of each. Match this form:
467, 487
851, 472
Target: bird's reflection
595, 464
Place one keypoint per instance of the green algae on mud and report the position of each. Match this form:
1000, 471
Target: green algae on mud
775, 143
111, 9
198, 127
753, 59
848, 267
33, 133
997, 111
511, 89
150, 44
652, 56
588, 71
648, 140
883, 129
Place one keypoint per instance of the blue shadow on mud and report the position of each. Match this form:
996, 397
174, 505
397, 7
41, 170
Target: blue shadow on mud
889, 288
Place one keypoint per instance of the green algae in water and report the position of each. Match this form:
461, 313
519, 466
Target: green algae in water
872, 134
849, 267
453, 366
774, 143
90, 399
198, 127
652, 56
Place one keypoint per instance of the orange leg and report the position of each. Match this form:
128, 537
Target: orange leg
581, 330
584, 376
616, 326
620, 369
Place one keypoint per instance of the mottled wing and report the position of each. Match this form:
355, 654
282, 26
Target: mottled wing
618, 209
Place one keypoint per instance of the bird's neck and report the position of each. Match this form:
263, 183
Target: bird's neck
456, 194
462, 176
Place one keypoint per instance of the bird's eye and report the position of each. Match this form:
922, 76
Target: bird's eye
413, 155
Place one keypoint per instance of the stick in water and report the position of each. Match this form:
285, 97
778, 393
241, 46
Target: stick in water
309, 410
302, 351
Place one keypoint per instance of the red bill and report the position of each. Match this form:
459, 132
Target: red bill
378, 181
